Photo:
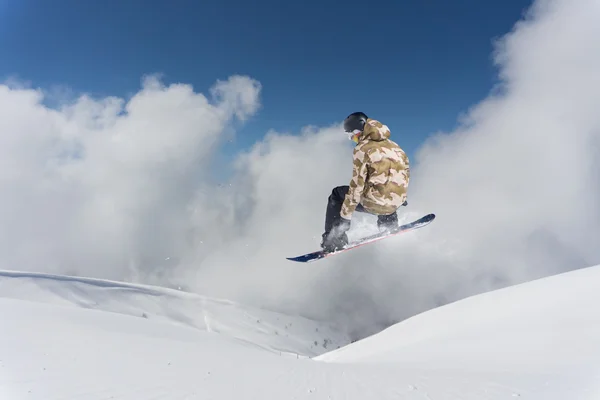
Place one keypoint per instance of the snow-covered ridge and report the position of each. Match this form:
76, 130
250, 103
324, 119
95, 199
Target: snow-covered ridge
270, 330
549, 325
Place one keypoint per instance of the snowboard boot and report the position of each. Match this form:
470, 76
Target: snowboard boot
387, 223
331, 242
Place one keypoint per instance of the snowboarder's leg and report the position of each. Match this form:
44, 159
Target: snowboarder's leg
334, 206
335, 236
388, 222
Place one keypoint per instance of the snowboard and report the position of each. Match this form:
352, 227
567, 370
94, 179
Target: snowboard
320, 254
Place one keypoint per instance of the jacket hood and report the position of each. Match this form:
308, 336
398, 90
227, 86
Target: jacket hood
375, 130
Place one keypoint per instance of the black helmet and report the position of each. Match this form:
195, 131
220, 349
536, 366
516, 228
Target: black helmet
354, 121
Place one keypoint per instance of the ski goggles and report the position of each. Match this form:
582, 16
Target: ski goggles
354, 135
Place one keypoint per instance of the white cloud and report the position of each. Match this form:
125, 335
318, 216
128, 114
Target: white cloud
101, 186
119, 189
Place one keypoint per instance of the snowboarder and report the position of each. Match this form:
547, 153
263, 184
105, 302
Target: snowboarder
379, 183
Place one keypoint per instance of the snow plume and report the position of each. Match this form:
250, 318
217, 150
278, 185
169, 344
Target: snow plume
120, 190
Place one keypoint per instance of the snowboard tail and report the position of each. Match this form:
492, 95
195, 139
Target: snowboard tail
317, 255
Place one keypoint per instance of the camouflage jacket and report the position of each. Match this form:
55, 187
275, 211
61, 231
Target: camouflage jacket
380, 175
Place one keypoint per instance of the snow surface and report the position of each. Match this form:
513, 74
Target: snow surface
73, 338
266, 329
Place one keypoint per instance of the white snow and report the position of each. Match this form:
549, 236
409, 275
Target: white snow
266, 329
73, 338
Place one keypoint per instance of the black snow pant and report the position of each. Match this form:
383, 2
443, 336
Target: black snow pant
334, 208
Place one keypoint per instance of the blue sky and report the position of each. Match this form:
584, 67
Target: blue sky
415, 65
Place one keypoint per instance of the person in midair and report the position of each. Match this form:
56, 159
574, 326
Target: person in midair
380, 177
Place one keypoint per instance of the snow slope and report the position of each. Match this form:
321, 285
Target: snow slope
538, 340
269, 330
550, 325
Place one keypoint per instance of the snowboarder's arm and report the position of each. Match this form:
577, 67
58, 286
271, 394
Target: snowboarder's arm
357, 184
